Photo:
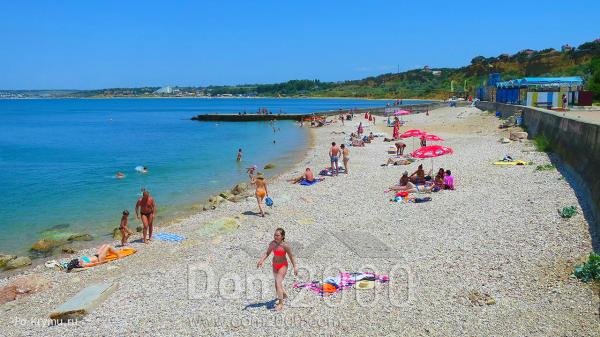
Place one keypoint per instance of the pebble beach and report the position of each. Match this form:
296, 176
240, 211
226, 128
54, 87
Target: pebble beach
492, 257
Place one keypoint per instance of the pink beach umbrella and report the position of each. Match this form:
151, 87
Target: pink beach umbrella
432, 151
433, 138
411, 134
401, 113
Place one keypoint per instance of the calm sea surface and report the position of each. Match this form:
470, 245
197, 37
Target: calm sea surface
58, 158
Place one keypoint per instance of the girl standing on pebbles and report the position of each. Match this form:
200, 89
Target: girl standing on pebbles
280, 264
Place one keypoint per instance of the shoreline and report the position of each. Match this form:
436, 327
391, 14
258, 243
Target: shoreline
508, 244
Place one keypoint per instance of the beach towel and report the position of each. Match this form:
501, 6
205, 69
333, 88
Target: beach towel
110, 257
343, 281
168, 237
305, 182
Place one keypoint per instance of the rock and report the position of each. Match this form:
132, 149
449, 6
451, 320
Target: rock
5, 258
237, 198
46, 245
504, 140
226, 195
239, 188
270, 166
219, 226
518, 135
83, 302
117, 233
219, 199
30, 284
80, 237
139, 229
8, 293
19, 262
56, 235
68, 250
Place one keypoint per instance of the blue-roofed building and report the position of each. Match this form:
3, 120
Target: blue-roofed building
540, 91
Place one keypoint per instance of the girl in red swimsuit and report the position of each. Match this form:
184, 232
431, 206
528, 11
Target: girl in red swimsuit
280, 263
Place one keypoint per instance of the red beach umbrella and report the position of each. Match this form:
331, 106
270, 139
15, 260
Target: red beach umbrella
433, 138
401, 113
412, 133
432, 151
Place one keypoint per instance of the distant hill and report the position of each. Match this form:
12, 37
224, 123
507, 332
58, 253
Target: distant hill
583, 60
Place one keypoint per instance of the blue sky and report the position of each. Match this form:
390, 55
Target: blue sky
99, 44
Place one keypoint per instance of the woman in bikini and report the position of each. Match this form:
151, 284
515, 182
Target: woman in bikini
280, 264
261, 191
89, 261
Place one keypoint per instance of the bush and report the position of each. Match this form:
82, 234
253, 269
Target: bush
546, 167
589, 270
542, 143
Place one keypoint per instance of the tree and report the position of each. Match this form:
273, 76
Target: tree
594, 82
478, 59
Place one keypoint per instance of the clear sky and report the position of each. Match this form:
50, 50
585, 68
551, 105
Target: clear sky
125, 43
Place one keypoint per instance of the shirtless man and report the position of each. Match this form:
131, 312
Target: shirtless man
146, 208
334, 155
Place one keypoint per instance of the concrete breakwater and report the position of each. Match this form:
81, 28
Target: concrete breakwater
576, 141
415, 108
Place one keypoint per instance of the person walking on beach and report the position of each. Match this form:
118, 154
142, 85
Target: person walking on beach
334, 155
261, 191
346, 156
280, 264
564, 101
145, 208
125, 232
239, 155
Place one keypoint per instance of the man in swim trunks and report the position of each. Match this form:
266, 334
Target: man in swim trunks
145, 208
334, 155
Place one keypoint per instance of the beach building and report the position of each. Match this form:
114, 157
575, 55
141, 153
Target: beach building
539, 91
164, 90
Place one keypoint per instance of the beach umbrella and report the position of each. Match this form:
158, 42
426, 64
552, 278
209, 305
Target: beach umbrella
412, 133
432, 151
433, 138
401, 113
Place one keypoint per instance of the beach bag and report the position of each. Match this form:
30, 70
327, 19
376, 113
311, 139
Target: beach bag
269, 201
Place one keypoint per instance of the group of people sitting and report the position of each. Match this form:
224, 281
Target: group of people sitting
419, 181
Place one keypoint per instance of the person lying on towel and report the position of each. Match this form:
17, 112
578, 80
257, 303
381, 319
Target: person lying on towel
308, 176
90, 261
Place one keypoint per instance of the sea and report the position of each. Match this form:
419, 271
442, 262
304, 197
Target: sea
59, 158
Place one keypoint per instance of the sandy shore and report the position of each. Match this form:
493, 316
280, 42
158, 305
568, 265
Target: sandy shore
496, 241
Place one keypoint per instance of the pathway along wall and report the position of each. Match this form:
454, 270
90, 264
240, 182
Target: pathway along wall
576, 142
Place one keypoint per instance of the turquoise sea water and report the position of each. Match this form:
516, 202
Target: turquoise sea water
58, 158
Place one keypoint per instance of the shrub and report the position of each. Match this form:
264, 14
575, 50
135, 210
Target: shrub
542, 143
589, 270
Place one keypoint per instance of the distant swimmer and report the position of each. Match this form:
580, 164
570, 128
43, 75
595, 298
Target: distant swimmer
145, 170
239, 155
141, 169
120, 175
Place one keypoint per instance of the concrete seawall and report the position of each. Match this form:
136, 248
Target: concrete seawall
575, 140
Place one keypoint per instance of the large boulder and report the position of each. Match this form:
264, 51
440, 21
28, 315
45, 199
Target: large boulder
46, 245
226, 195
68, 249
8, 293
21, 261
270, 166
518, 135
5, 258
83, 303
237, 198
239, 188
80, 237
219, 226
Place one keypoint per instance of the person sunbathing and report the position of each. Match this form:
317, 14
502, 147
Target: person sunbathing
308, 176
418, 177
404, 184
358, 143
371, 137
90, 261
396, 162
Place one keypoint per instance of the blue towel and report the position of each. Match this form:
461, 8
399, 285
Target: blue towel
305, 182
169, 237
